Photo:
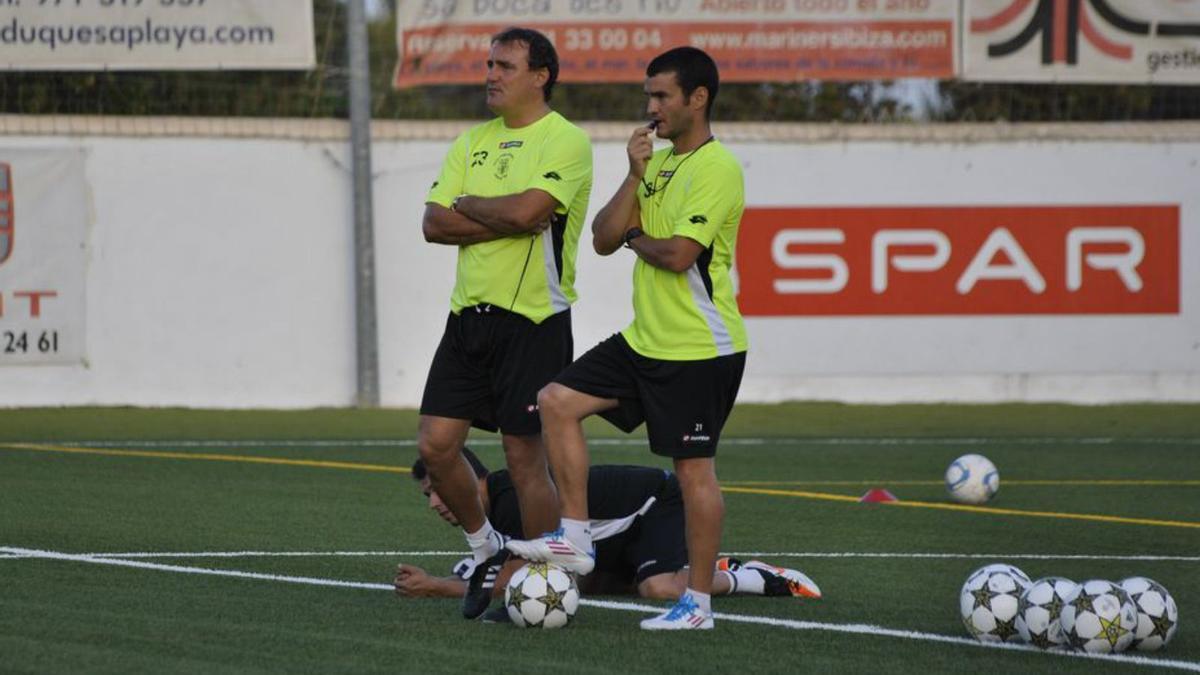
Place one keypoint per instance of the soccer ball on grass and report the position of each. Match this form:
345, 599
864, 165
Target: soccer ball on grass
972, 479
1158, 617
989, 602
1099, 617
1039, 612
541, 595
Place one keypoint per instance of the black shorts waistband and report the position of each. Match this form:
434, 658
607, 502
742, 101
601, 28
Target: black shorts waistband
488, 309
484, 309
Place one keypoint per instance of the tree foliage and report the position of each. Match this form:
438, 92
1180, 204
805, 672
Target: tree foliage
321, 92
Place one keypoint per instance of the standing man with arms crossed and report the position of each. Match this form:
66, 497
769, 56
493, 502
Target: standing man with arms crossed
512, 196
678, 366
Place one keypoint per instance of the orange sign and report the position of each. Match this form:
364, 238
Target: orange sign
967, 260
447, 41
743, 52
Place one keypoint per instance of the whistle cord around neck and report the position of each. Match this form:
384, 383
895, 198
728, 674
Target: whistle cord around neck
652, 189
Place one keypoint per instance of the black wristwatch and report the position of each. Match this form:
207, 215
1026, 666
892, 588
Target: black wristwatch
631, 234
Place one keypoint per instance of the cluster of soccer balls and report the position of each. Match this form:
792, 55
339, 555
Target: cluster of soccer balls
1000, 604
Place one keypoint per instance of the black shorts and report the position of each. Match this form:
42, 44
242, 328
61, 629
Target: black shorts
490, 365
656, 544
683, 403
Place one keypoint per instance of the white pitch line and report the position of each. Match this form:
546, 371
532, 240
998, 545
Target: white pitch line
965, 556
404, 442
278, 554
736, 554
312, 581
867, 629
858, 629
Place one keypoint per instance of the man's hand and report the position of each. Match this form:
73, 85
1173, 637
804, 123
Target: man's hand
414, 582
640, 150
444, 226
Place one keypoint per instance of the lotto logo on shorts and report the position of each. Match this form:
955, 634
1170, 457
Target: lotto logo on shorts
531, 408
693, 438
960, 260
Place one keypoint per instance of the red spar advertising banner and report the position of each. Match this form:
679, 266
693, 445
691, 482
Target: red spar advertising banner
961, 260
447, 41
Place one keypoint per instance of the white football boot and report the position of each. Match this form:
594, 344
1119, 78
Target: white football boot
795, 583
554, 547
685, 615
777, 581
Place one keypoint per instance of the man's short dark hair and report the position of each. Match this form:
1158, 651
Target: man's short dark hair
419, 471
693, 68
541, 52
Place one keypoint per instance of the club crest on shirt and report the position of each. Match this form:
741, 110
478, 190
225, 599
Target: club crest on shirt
502, 164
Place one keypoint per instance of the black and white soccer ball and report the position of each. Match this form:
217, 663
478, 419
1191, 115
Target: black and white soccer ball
541, 595
1158, 617
1039, 612
989, 601
1099, 617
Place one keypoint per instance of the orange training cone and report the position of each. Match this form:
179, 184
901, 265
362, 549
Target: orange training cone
875, 495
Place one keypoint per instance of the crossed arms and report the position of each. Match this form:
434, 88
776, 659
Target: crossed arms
620, 214
480, 219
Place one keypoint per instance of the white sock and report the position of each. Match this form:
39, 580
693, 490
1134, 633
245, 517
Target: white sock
484, 542
703, 600
747, 581
733, 582
578, 532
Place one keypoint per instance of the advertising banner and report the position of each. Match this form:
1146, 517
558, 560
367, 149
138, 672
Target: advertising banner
43, 230
1082, 41
970, 260
156, 34
447, 41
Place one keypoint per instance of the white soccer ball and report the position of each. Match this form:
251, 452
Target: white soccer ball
989, 601
541, 595
1099, 617
972, 479
1040, 610
1158, 617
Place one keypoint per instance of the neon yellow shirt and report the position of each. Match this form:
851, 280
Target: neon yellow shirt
693, 315
532, 275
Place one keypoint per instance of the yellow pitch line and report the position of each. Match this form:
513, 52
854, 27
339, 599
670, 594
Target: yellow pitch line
252, 459
853, 483
249, 459
1107, 481
971, 509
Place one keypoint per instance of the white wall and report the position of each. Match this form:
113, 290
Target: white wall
220, 275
